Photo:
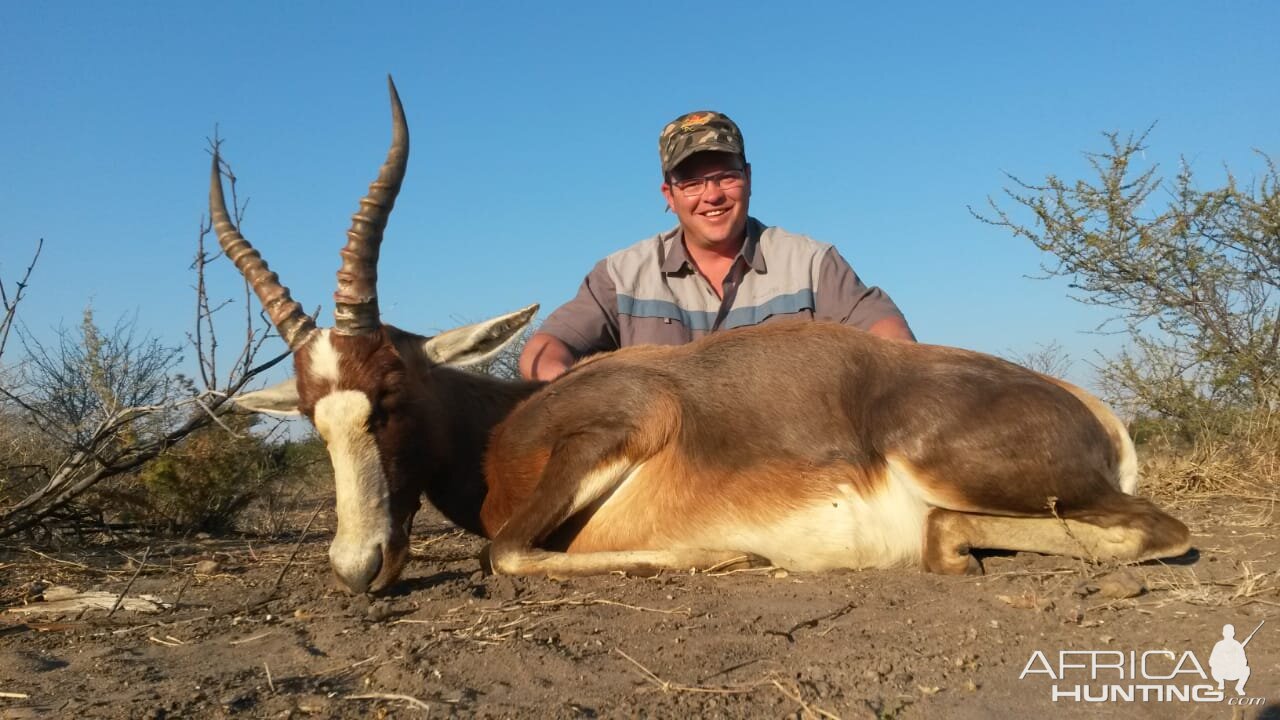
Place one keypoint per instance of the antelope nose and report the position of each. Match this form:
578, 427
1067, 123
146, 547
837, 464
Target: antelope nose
358, 573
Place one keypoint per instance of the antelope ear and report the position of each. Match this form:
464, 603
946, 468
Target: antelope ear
471, 344
279, 399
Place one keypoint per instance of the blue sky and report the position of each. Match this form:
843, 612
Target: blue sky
534, 140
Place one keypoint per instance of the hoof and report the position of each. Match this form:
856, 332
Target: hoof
486, 563
960, 562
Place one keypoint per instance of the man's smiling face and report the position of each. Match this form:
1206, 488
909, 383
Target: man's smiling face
717, 216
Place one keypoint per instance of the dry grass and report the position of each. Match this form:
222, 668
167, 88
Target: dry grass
1243, 465
1227, 485
1184, 585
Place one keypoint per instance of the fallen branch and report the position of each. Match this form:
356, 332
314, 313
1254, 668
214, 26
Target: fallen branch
65, 600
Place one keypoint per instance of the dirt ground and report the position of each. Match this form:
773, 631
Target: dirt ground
759, 643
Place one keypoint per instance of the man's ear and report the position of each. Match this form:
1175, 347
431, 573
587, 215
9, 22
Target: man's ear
666, 194
477, 343
279, 399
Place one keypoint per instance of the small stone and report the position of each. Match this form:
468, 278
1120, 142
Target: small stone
1027, 601
379, 611
208, 567
236, 700
313, 703
1120, 585
929, 690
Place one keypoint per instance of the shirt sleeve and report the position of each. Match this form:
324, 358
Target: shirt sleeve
589, 322
842, 297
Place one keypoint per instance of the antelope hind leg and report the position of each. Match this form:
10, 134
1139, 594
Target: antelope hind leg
1120, 527
948, 542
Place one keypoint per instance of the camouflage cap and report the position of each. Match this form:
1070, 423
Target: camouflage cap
697, 132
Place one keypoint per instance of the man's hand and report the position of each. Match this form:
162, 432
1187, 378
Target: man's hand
545, 358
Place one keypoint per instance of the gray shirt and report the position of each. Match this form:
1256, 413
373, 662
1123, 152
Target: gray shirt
651, 293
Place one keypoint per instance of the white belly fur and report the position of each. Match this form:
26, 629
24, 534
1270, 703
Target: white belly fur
842, 531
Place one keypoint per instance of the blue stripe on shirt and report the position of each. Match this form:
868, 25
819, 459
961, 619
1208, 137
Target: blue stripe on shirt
703, 321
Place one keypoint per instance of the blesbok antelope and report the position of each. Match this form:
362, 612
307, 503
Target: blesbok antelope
808, 445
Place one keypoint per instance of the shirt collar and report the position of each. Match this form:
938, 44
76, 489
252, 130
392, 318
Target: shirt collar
676, 258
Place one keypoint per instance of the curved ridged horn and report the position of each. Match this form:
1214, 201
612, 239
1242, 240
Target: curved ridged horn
294, 325
355, 308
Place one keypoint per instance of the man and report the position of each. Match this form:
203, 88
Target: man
719, 269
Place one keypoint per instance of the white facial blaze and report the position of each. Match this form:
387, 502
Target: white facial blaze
324, 358
364, 510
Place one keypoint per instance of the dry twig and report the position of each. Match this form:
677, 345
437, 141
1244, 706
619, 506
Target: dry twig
668, 686
296, 548
177, 600
812, 623
247, 640
136, 573
169, 642
58, 560
413, 701
804, 706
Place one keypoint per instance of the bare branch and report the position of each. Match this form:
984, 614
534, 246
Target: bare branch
11, 304
108, 397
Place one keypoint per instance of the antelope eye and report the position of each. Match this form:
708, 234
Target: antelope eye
389, 402
377, 415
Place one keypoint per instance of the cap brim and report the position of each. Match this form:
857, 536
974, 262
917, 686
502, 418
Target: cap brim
705, 147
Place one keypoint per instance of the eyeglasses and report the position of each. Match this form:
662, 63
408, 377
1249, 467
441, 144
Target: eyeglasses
727, 180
